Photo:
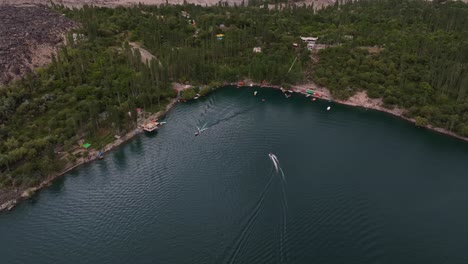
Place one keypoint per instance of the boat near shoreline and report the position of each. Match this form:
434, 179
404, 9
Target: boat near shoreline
11, 198
359, 100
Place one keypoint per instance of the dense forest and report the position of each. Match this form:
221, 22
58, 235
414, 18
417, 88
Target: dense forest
205, 44
87, 92
413, 54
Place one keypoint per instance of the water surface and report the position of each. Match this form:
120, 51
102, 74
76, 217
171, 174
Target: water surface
361, 187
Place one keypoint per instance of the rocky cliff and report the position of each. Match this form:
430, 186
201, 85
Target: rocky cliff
29, 34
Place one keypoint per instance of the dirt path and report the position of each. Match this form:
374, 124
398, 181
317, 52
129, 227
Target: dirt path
146, 56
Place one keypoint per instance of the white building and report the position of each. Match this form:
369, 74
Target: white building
257, 49
309, 39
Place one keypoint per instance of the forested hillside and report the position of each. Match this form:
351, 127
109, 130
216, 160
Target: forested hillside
185, 40
413, 54
87, 93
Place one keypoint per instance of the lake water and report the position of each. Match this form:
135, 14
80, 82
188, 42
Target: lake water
359, 187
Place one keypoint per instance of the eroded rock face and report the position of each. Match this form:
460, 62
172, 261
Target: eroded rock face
28, 36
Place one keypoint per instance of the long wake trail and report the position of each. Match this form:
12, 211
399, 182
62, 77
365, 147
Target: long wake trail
231, 116
240, 241
284, 204
283, 227
277, 172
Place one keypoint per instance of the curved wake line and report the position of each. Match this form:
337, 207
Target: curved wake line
246, 230
285, 197
284, 204
203, 128
277, 165
225, 113
227, 118
275, 161
282, 175
283, 231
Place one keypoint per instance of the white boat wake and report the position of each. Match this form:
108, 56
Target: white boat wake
276, 163
241, 240
199, 130
284, 205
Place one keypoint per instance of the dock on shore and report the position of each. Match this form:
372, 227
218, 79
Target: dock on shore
150, 126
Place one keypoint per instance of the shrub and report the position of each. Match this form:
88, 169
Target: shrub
421, 121
188, 94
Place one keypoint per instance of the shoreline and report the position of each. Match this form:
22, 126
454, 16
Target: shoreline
398, 112
19, 195
360, 99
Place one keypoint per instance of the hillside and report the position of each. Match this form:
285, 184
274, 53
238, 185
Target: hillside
114, 3
410, 55
30, 34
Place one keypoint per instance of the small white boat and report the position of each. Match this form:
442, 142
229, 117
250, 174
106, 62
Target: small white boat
196, 97
255, 93
328, 108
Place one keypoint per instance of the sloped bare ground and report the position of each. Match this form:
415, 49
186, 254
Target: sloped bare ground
318, 4
114, 3
28, 36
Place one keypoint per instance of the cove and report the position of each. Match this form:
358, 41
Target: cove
360, 187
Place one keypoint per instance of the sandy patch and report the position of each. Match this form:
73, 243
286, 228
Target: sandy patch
361, 99
146, 56
42, 55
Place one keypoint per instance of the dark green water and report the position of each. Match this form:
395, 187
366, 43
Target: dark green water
360, 187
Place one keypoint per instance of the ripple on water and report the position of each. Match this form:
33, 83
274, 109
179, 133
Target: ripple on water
172, 197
